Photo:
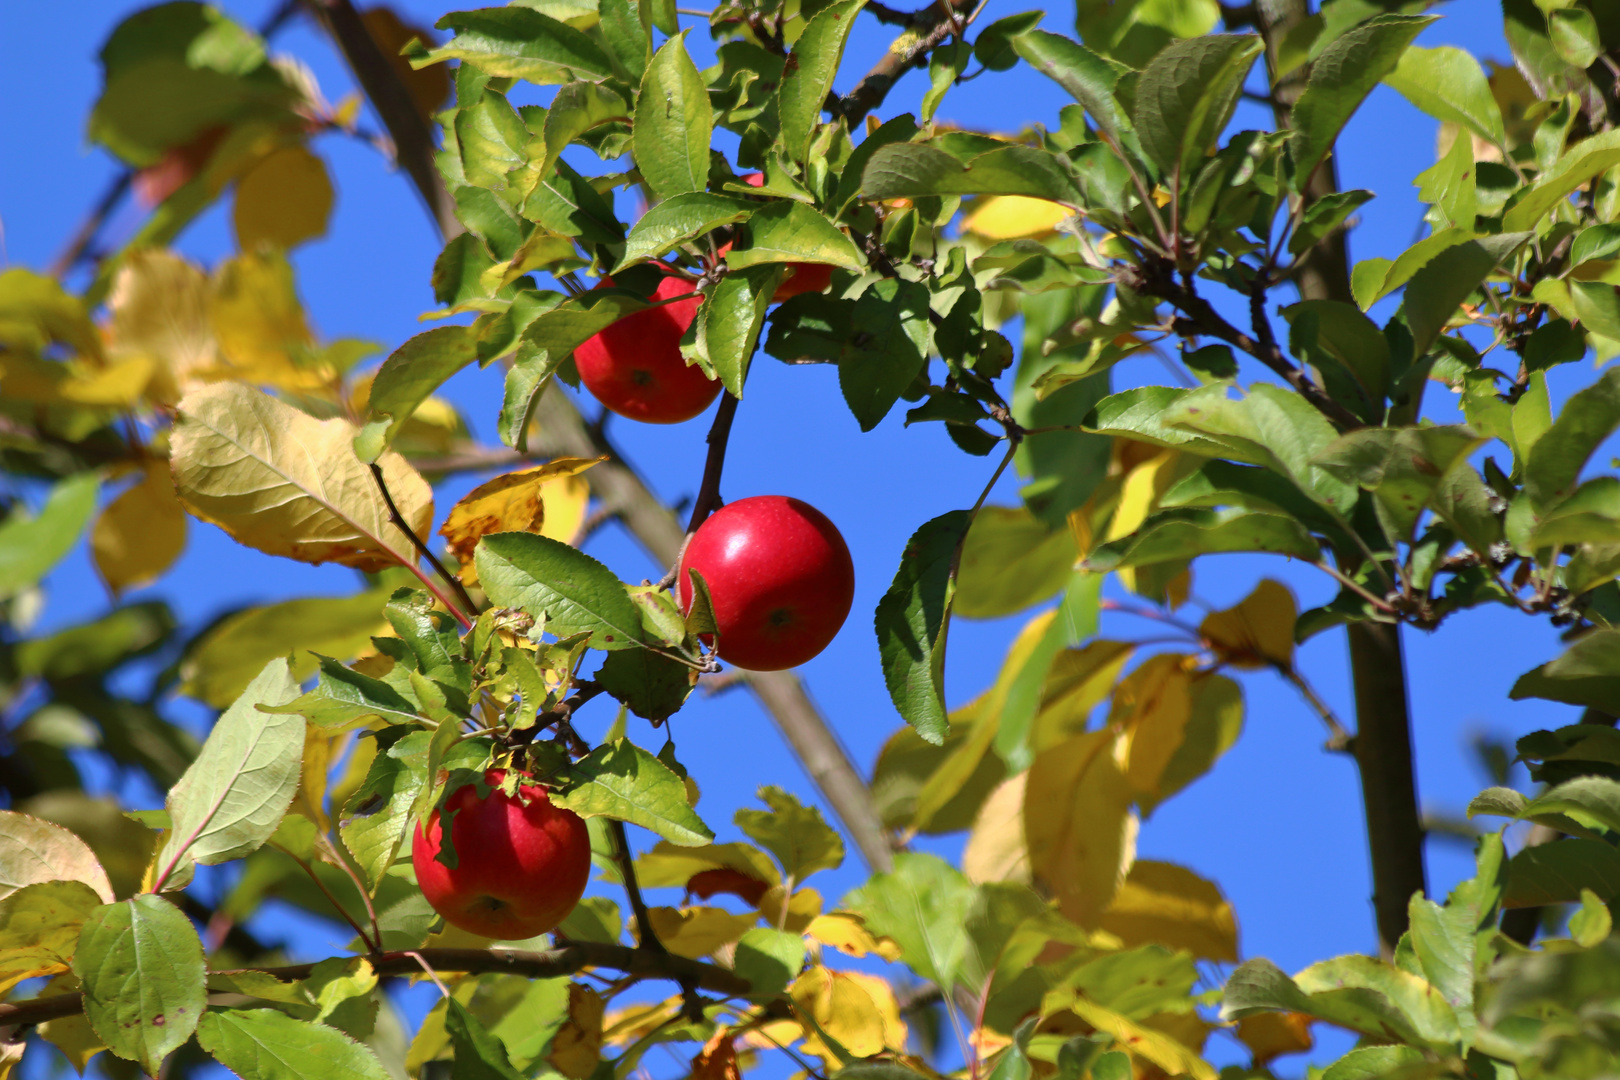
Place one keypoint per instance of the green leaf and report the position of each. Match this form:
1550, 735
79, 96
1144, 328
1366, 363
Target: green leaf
527, 378
1140, 413
809, 74
1558, 872
1574, 33
912, 620
1401, 466
923, 905
1325, 215
796, 834
675, 221
788, 231
883, 347
578, 108
913, 170
1011, 560
378, 814
406, 379
1374, 279
1444, 940
769, 959
1593, 801
1587, 673
625, 35
491, 139
729, 322
1185, 97
1449, 85
1373, 1062
343, 698
518, 43
479, 1055
673, 122
1081, 72
1555, 461
140, 963
233, 796
39, 928
1579, 164
1591, 923
621, 780
1181, 534
30, 546
1340, 80
651, 684
560, 584
1356, 992
1435, 292
1345, 335
267, 1044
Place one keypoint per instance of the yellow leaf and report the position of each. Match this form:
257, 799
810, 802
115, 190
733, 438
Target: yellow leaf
141, 533
260, 324
1008, 217
1143, 1042
803, 908
625, 1026
123, 847
548, 499
119, 385
577, 1046
1257, 632
858, 1010
1270, 1035
310, 799
159, 304
285, 199
846, 932
1161, 903
33, 851
996, 850
1076, 683
1077, 823
73, 1034
695, 932
287, 484
1152, 706
39, 928
718, 1058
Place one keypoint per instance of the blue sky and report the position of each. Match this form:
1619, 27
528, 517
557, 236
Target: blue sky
1278, 824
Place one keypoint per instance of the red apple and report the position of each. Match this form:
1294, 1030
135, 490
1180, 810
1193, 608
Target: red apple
635, 367
521, 863
801, 277
780, 577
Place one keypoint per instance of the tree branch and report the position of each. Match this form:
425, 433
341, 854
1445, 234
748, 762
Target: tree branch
930, 26
566, 960
645, 935
708, 496
564, 432
469, 609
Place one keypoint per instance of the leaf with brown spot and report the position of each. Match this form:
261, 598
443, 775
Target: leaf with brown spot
548, 499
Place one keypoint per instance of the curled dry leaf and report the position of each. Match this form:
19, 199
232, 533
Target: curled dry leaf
287, 484
548, 499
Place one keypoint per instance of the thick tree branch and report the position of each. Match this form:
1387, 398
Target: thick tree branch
564, 432
929, 28
566, 960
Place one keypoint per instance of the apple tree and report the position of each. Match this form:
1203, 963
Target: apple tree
406, 760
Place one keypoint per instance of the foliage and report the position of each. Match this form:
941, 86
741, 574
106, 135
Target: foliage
167, 389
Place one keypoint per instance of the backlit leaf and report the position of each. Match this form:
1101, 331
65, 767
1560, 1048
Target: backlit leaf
550, 580
1448, 84
623, 781
1010, 561
283, 200
1165, 904
39, 928
31, 544
922, 905
1077, 824
796, 834
266, 1044
140, 533
1257, 631
141, 965
672, 122
547, 499
287, 484
34, 851
406, 379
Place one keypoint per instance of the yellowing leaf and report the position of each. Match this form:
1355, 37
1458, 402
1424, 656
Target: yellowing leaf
140, 533
1153, 706
995, 849
260, 324
1257, 632
39, 928
310, 801
858, 1010
1008, 217
33, 851
625, 1026
159, 305
548, 499
283, 200
803, 908
119, 385
577, 1046
1143, 1042
695, 932
1165, 904
73, 1034
287, 484
1270, 1035
1077, 823
846, 932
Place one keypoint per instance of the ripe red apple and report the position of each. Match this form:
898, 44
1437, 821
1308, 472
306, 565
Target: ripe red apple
780, 577
520, 869
635, 367
801, 277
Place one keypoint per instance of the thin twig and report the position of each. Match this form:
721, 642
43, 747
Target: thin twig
1354, 586
708, 497
87, 232
869, 93
372, 947
1338, 735
646, 937
422, 549
427, 967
